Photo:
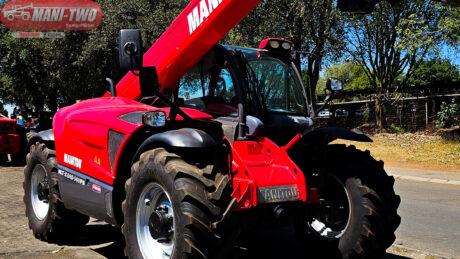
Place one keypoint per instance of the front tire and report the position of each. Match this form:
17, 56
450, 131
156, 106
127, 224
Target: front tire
171, 206
48, 218
358, 216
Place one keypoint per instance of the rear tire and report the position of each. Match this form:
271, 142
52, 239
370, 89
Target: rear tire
48, 218
362, 193
194, 198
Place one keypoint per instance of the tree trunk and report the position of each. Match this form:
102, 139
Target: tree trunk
380, 114
314, 67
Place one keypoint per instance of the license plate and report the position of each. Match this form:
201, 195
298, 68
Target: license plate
278, 194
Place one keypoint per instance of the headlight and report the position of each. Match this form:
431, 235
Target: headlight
275, 44
154, 119
286, 46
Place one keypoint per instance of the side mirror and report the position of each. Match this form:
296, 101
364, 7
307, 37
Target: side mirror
334, 85
130, 51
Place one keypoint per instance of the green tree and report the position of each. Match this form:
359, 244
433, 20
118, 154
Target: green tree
351, 74
436, 72
391, 42
451, 24
37, 74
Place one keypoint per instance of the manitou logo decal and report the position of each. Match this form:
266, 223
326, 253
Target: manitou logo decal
201, 12
71, 160
51, 15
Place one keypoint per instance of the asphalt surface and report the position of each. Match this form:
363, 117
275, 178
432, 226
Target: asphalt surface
430, 222
430, 215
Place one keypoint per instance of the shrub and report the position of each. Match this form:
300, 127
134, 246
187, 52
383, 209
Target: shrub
397, 129
446, 116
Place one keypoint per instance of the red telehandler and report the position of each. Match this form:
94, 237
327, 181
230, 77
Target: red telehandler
201, 142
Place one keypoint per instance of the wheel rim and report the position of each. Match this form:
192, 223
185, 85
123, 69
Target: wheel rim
40, 192
155, 222
334, 215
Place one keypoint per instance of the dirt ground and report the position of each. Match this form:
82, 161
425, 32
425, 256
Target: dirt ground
413, 150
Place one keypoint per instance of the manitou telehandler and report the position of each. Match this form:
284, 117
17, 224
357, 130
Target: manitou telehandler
201, 142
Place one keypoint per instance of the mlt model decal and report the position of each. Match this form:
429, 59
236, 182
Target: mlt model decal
72, 177
71, 160
201, 12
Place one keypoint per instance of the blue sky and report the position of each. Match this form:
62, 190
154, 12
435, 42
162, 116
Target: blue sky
451, 53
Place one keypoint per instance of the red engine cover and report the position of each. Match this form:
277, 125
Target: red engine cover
81, 133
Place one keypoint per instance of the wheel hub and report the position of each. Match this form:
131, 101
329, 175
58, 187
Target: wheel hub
155, 222
43, 190
160, 224
333, 215
39, 192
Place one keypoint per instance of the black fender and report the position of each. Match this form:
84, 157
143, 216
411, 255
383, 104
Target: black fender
310, 150
326, 135
46, 137
181, 139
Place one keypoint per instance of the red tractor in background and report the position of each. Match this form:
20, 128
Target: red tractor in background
11, 140
201, 142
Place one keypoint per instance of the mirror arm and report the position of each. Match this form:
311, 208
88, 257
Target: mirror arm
174, 108
112, 88
326, 103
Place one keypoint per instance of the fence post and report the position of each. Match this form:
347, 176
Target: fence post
426, 113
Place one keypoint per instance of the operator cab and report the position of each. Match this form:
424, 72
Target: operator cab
262, 85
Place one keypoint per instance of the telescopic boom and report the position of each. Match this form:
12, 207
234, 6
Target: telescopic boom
192, 34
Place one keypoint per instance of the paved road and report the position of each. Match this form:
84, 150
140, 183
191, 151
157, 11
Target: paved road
430, 215
430, 212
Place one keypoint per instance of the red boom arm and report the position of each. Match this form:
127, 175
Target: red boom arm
195, 31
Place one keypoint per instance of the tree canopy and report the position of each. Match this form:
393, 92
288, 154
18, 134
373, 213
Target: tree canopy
37, 74
388, 45
436, 73
351, 74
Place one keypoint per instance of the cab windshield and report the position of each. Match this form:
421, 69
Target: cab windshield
278, 85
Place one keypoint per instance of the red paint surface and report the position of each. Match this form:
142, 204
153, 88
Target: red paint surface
10, 141
51, 15
81, 130
262, 164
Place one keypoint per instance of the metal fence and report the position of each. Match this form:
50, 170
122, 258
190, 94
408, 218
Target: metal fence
411, 114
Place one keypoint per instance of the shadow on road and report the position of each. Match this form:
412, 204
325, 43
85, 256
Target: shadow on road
11, 164
93, 235
107, 241
393, 256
